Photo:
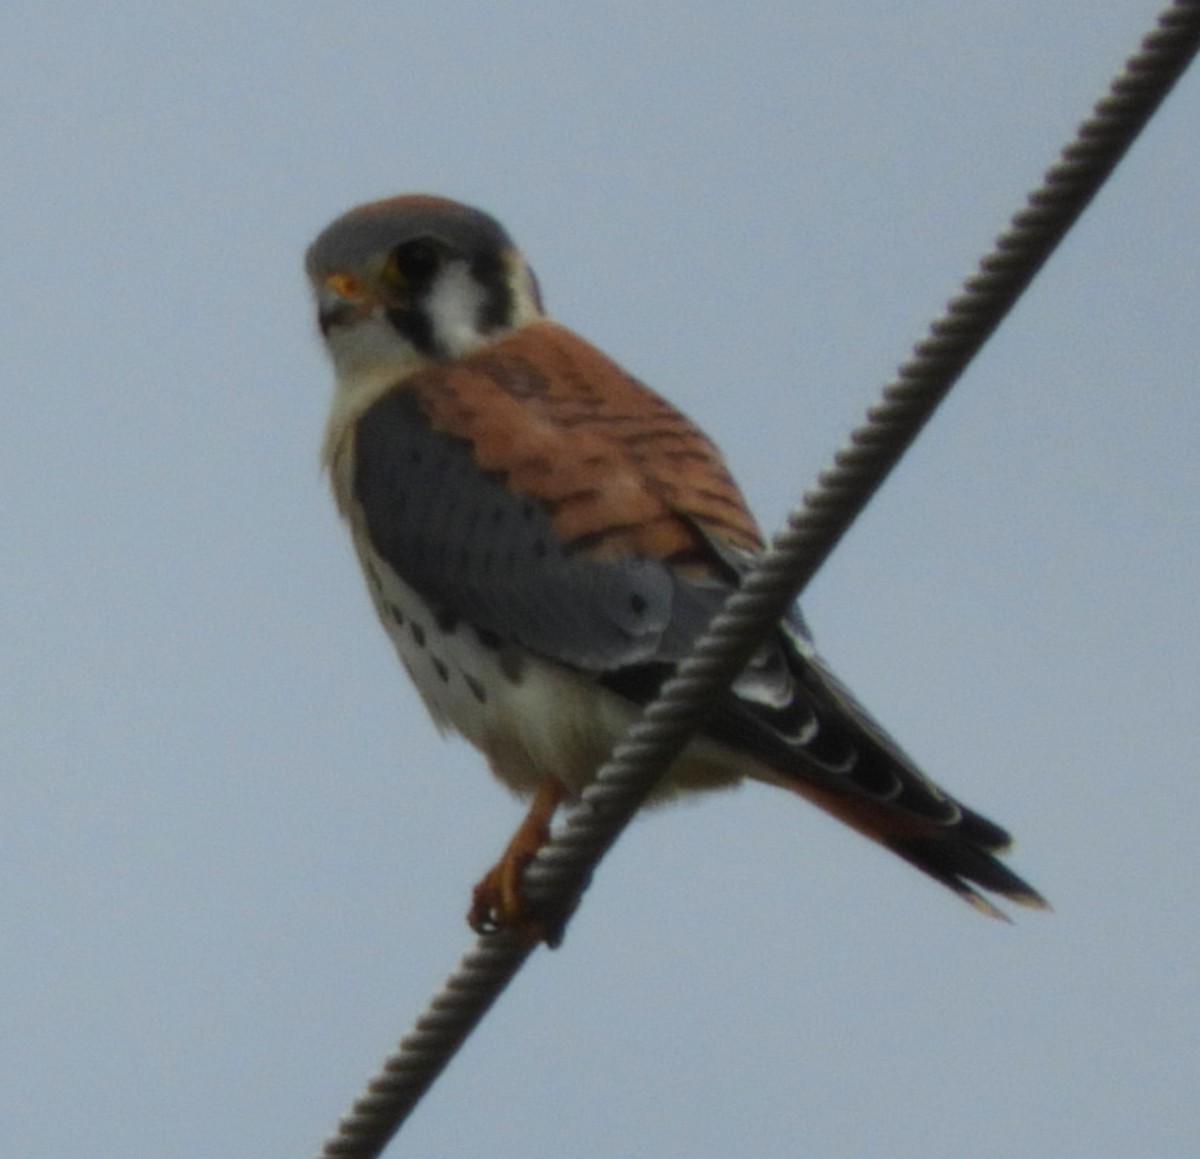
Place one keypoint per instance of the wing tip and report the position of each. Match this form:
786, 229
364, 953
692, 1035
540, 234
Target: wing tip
1027, 898
962, 867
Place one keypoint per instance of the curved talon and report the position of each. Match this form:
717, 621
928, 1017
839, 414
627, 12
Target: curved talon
497, 902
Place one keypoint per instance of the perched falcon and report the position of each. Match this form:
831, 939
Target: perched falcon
544, 537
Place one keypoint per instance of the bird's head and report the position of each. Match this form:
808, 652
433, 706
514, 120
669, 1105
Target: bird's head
413, 280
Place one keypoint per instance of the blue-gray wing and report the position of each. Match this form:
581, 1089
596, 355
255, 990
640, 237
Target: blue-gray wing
478, 552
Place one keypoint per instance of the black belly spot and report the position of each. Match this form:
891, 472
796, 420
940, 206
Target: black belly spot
511, 665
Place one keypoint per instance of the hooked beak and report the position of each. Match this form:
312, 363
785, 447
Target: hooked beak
342, 299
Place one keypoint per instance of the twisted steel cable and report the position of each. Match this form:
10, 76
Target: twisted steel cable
561, 870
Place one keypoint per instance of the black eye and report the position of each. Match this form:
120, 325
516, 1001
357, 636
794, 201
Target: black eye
414, 262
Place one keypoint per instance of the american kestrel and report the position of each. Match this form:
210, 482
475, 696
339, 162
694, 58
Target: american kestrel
544, 537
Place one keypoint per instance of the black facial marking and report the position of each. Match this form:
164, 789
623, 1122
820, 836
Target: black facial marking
414, 325
415, 266
487, 269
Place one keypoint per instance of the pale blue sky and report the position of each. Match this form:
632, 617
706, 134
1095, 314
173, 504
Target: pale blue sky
235, 855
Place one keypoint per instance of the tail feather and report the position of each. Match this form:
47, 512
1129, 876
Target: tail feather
961, 866
886, 796
804, 730
791, 714
961, 853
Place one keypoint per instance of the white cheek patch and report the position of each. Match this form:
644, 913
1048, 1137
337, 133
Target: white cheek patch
454, 306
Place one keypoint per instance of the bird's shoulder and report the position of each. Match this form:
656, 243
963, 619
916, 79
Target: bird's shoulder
619, 470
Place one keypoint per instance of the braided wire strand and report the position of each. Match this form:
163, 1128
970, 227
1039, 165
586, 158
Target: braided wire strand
560, 872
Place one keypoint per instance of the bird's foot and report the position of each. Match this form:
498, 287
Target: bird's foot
498, 903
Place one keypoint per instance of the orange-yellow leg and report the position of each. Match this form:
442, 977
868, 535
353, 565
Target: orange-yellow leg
497, 903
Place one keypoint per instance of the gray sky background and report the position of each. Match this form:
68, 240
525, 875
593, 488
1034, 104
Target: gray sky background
234, 854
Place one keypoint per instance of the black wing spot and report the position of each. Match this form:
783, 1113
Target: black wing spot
396, 614
512, 665
477, 689
440, 668
418, 633
488, 639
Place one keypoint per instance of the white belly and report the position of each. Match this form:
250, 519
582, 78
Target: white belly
530, 717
